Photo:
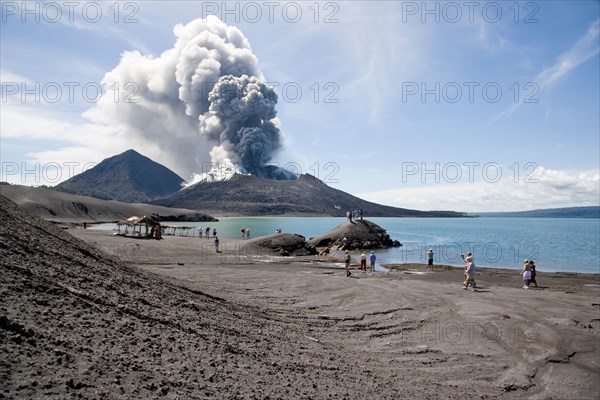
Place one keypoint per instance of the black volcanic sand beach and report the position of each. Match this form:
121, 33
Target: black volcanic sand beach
100, 316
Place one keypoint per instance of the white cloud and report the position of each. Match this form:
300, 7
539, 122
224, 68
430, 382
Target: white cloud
548, 188
10, 77
77, 143
584, 49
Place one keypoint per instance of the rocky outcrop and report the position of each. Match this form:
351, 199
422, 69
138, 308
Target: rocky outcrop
355, 235
284, 244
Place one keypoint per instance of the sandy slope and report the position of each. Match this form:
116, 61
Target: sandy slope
413, 334
178, 320
57, 206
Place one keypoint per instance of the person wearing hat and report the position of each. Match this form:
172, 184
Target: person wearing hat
469, 271
347, 263
430, 259
372, 258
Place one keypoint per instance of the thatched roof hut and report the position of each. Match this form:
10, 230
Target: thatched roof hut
136, 223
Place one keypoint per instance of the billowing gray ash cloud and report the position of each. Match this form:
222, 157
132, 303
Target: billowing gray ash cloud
245, 111
202, 100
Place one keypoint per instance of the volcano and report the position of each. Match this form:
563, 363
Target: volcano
306, 196
128, 177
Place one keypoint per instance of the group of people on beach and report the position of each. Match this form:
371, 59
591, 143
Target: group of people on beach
205, 232
363, 262
202, 232
245, 232
528, 272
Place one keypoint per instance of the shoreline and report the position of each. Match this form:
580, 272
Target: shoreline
406, 266
232, 249
232, 246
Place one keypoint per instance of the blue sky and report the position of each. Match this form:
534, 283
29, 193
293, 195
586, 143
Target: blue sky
485, 106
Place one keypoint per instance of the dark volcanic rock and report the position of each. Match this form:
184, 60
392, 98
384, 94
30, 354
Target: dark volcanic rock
354, 235
284, 244
129, 177
193, 217
307, 195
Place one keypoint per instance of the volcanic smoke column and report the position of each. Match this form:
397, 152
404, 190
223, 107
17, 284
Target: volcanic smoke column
204, 99
242, 117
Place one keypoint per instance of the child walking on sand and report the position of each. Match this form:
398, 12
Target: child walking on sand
469, 271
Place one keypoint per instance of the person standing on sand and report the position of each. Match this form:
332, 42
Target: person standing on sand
532, 267
247, 233
349, 216
469, 271
207, 231
363, 261
347, 263
200, 231
526, 274
214, 232
372, 258
243, 231
430, 259
217, 244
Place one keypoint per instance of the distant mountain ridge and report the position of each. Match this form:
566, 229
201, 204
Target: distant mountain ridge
307, 195
564, 212
56, 206
128, 177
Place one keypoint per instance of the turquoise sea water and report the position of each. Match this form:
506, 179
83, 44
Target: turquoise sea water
556, 244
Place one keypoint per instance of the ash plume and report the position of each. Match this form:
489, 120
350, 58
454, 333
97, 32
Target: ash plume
202, 100
245, 110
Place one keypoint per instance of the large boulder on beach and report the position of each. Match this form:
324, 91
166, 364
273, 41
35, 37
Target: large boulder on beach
284, 244
352, 235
